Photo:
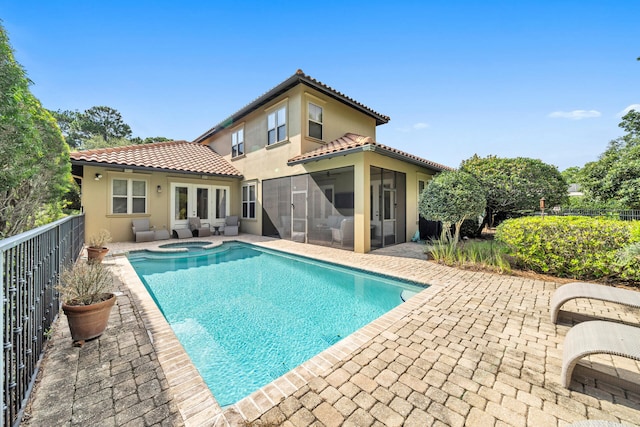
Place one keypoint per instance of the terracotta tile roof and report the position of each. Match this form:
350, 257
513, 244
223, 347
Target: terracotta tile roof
351, 143
180, 156
298, 78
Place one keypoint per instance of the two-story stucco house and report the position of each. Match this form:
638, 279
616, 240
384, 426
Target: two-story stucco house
300, 162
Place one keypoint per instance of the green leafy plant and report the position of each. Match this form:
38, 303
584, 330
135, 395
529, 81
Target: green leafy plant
576, 247
488, 255
451, 198
85, 284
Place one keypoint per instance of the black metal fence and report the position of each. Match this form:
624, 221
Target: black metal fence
626, 215
30, 264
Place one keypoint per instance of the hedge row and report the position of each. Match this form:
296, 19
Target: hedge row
571, 246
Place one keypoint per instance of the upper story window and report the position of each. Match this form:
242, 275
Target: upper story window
315, 121
249, 200
237, 143
277, 126
128, 196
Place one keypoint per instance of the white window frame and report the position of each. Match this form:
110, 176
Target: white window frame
237, 142
247, 201
311, 120
275, 117
129, 196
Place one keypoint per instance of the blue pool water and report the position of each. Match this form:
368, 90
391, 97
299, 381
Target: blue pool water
247, 315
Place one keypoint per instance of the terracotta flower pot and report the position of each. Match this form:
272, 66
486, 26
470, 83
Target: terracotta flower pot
96, 254
88, 321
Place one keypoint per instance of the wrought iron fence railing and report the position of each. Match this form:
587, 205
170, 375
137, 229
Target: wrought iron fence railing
626, 215
30, 263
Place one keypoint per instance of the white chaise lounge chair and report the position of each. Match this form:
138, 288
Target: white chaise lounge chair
591, 290
598, 337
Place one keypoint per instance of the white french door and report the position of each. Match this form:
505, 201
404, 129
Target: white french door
210, 203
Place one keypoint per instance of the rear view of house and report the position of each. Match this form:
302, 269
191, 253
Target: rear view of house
300, 162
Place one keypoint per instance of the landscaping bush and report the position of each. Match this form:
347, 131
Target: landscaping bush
470, 254
576, 247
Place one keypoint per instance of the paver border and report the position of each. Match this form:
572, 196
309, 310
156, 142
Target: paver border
192, 396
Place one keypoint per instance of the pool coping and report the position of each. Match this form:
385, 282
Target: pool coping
194, 400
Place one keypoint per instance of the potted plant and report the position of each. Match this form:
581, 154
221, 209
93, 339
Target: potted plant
87, 299
96, 250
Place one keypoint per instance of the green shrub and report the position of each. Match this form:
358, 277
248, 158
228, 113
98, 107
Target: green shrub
471, 254
577, 247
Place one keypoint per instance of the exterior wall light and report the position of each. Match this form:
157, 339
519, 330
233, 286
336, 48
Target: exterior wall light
159, 189
98, 176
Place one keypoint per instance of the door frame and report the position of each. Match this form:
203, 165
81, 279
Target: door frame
304, 219
192, 189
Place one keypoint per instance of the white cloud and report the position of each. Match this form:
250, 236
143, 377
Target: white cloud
629, 108
575, 114
415, 126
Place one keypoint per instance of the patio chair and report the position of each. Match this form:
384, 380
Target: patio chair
142, 230
231, 225
198, 228
598, 337
591, 290
344, 233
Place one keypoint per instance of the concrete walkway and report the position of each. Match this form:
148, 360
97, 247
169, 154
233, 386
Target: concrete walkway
473, 349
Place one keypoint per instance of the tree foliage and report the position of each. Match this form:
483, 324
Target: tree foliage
98, 127
571, 175
451, 197
615, 176
34, 166
515, 185
96, 122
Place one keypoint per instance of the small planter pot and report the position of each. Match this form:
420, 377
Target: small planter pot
88, 321
96, 254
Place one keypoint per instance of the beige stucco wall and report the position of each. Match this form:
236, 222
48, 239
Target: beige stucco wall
262, 162
96, 199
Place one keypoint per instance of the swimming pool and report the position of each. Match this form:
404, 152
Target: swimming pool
246, 315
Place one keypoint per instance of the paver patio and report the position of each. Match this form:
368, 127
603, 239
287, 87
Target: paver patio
473, 349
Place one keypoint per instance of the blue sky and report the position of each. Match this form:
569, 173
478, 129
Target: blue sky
540, 79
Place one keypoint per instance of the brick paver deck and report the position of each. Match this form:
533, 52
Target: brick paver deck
473, 349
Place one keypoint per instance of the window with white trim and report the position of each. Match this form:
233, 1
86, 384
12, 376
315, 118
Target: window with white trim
237, 143
277, 126
128, 196
315, 121
249, 200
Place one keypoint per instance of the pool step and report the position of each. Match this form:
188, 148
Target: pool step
406, 294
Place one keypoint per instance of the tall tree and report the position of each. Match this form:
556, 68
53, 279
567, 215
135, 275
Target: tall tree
105, 122
515, 185
615, 176
98, 127
571, 175
451, 197
69, 123
34, 166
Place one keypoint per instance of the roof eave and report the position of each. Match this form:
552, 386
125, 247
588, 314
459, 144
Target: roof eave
370, 147
151, 169
326, 156
279, 90
398, 156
